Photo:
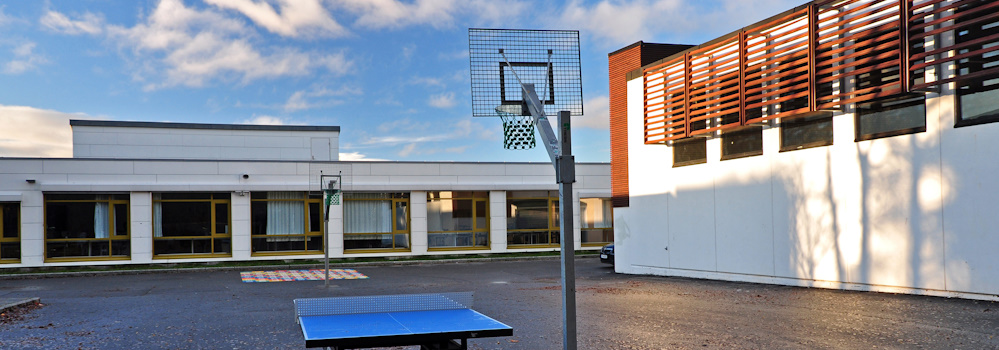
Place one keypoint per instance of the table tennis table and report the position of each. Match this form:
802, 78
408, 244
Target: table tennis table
432, 321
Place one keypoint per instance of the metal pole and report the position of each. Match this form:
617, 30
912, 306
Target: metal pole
326, 240
565, 169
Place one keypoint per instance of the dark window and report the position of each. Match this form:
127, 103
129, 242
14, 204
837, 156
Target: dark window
743, 143
977, 98
690, 152
10, 232
86, 226
806, 132
891, 117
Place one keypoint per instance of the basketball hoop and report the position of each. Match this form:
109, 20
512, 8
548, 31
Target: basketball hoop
518, 130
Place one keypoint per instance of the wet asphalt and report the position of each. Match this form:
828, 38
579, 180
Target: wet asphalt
215, 310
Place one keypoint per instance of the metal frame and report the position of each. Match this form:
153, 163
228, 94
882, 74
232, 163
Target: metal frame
475, 231
15, 239
306, 234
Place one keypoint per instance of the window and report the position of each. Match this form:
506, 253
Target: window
689, 152
976, 98
86, 226
286, 222
806, 132
376, 221
532, 219
597, 218
743, 143
191, 224
10, 233
895, 116
458, 220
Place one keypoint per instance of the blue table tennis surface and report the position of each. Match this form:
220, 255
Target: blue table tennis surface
398, 327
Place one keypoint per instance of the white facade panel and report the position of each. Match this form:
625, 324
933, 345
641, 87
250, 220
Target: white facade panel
906, 213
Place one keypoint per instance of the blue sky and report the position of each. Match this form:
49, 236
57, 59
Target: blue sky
392, 74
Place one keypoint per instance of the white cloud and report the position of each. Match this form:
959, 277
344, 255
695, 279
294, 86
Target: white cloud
596, 114
620, 22
184, 46
88, 23
4, 18
24, 60
33, 132
297, 18
427, 81
357, 156
265, 120
380, 14
300, 100
407, 150
442, 100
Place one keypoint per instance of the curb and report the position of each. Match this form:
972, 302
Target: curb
6, 304
23, 276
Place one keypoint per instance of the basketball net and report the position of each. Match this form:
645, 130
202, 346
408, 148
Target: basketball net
518, 130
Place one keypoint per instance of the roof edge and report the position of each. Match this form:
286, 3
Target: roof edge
165, 125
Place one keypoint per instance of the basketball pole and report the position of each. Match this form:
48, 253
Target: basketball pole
560, 151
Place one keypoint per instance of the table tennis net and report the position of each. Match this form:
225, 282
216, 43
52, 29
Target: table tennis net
382, 303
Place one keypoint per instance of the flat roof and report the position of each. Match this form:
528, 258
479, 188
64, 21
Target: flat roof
163, 125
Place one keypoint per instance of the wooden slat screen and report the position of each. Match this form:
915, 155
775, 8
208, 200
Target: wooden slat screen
820, 56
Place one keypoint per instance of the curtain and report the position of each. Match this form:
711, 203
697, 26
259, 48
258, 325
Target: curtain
367, 216
101, 223
285, 217
157, 216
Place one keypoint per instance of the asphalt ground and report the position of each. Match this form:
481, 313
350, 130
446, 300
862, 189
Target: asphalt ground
215, 310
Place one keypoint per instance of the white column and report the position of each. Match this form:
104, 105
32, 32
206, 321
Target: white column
497, 221
418, 222
32, 229
240, 207
141, 229
334, 229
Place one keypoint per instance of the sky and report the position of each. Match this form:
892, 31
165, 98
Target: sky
393, 74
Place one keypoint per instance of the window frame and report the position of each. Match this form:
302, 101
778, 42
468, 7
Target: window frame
690, 162
857, 115
113, 236
806, 121
212, 237
475, 231
395, 198
965, 66
16, 240
741, 133
307, 200
582, 224
553, 230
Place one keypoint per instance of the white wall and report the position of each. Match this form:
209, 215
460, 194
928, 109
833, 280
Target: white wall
122, 142
910, 213
142, 177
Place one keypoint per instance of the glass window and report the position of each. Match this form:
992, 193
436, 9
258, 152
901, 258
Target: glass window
532, 219
743, 143
286, 222
976, 98
457, 220
891, 117
86, 226
596, 216
192, 224
10, 232
690, 151
376, 221
806, 132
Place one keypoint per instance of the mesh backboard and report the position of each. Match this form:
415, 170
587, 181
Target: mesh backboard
549, 59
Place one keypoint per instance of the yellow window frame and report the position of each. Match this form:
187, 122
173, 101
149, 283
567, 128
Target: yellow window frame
553, 224
308, 214
475, 229
395, 227
112, 235
214, 202
3, 236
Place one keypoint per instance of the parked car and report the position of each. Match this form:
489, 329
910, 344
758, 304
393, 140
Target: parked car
607, 254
